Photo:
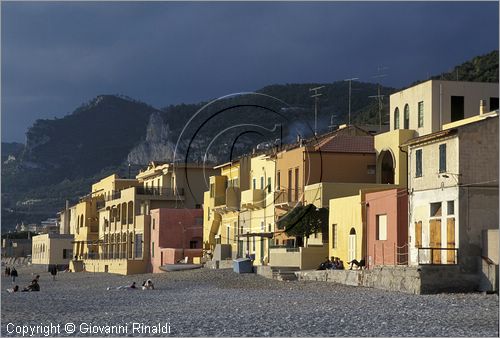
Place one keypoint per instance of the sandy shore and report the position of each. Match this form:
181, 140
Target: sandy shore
222, 303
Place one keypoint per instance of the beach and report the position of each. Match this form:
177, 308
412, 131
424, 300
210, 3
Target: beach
207, 302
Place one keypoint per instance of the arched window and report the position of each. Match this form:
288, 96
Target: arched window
396, 118
407, 117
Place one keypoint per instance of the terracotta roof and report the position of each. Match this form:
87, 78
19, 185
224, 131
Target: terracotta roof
347, 144
430, 137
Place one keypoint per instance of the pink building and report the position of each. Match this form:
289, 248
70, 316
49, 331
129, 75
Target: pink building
387, 227
175, 234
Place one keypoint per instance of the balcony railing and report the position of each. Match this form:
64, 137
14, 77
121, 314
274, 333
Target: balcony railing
287, 196
435, 256
166, 192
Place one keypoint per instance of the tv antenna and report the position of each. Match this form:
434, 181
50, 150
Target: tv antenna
379, 97
350, 81
316, 95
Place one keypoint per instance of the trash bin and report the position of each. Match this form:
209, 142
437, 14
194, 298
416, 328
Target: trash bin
242, 265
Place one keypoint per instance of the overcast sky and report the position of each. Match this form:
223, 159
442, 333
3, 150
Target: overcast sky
56, 56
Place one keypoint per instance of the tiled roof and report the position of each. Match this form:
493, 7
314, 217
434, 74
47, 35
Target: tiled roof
429, 137
347, 144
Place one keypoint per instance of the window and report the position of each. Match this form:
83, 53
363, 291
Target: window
396, 118
262, 182
67, 253
334, 236
407, 117
254, 184
381, 227
138, 246
262, 227
253, 243
457, 108
278, 181
227, 234
153, 249
371, 169
208, 213
269, 227
436, 209
418, 163
235, 231
442, 158
450, 209
212, 193
269, 185
421, 114
197, 206
154, 221
296, 184
193, 244
493, 103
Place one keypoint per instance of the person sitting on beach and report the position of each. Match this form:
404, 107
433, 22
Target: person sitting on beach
325, 265
14, 289
359, 264
148, 285
339, 264
333, 265
34, 286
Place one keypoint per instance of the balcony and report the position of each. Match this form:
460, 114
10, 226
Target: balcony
287, 198
230, 201
253, 199
161, 193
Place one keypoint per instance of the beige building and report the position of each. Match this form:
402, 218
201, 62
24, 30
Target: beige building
453, 185
52, 249
423, 109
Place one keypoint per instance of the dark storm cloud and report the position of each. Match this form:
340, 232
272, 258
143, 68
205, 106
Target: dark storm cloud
57, 55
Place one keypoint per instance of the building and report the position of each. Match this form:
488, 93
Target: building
423, 109
453, 185
347, 223
221, 222
52, 249
16, 247
175, 234
118, 237
257, 224
345, 155
387, 227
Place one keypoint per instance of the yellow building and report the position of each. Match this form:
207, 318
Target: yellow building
347, 222
221, 223
123, 214
52, 249
257, 210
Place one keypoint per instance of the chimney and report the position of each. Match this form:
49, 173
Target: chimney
482, 107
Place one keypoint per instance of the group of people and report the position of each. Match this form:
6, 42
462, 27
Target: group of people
334, 264
32, 287
11, 272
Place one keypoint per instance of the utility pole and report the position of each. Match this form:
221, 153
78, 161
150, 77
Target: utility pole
316, 95
350, 81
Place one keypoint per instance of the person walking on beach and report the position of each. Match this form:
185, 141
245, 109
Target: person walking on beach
53, 271
13, 274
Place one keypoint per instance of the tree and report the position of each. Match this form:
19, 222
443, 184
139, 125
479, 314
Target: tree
304, 221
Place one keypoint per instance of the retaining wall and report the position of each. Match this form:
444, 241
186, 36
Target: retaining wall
416, 280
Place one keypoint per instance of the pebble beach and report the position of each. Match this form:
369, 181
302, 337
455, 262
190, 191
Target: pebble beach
207, 302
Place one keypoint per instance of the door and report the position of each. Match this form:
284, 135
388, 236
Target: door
352, 247
450, 239
262, 250
435, 242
